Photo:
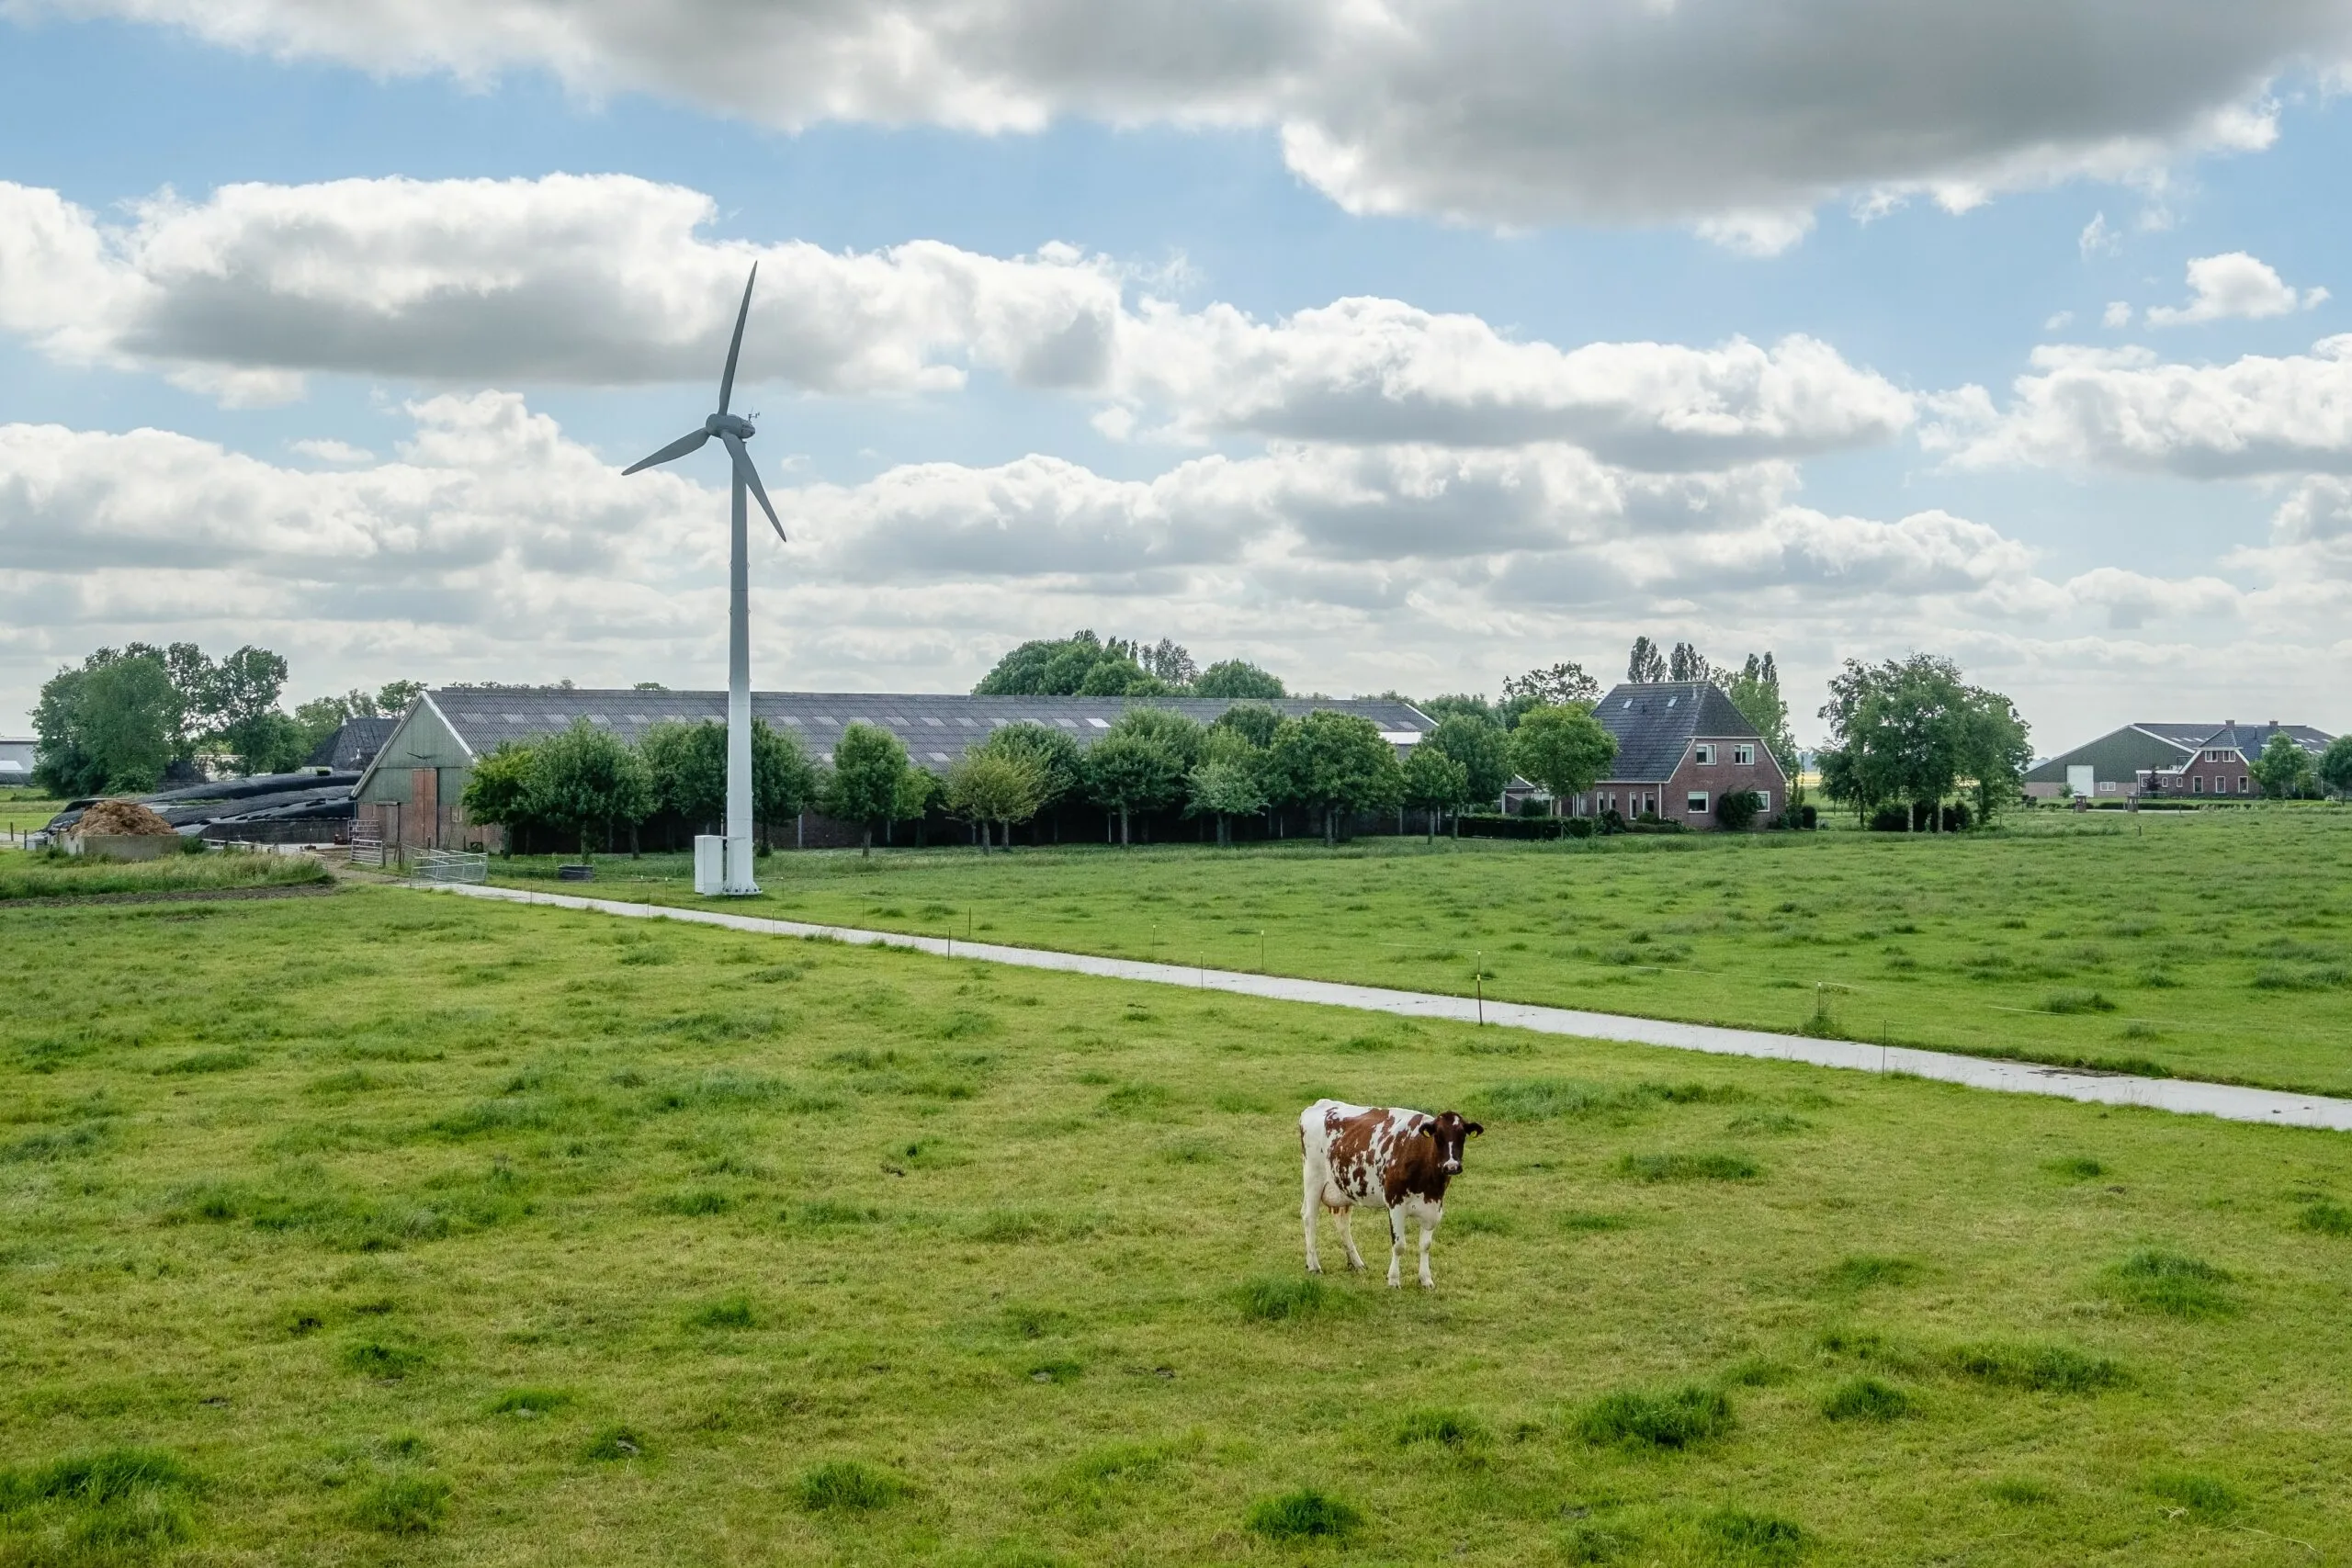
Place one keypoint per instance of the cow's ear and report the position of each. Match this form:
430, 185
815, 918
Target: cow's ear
1471, 1127
1427, 1129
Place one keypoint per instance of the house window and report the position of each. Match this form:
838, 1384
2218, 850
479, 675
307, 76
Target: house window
1745, 756
2242, 783
1764, 802
1696, 802
1703, 754
2197, 785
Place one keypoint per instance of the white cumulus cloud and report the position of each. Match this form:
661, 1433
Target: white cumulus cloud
1499, 111
2236, 285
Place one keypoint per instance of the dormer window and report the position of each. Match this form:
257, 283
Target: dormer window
1703, 754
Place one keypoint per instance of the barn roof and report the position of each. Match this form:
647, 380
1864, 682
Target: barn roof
1655, 723
2248, 739
935, 728
355, 744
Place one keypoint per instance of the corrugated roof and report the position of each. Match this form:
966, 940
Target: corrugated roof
2248, 739
1655, 723
936, 727
355, 744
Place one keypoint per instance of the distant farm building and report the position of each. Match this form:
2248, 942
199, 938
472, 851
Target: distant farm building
16, 762
353, 744
2183, 760
410, 793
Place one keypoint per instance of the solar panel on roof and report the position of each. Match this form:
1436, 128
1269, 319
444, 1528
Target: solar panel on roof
514, 718
637, 718
938, 756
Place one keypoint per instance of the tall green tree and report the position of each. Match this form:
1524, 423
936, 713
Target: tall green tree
113, 725
689, 764
1078, 665
1995, 749
1331, 763
1435, 783
1059, 763
1476, 707
1132, 771
784, 781
583, 778
1237, 678
1482, 750
869, 765
1756, 692
498, 790
1564, 748
1228, 781
1645, 666
1182, 736
1687, 663
1254, 722
1907, 731
1553, 686
985, 787
2335, 765
2284, 770
393, 697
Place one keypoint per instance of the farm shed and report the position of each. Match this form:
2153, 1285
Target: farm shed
410, 793
2116, 763
16, 760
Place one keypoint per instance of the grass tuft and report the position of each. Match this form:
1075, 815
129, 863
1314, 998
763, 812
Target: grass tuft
1743, 1536
381, 1358
2073, 999
2076, 1167
403, 1505
1304, 1514
730, 1312
528, 1402
2156, 1281
2198, 1494
1863, 1270
1676, 1419
1866, 1399
1283, 1299
1456, 1430
617, 1443
2020, 1492
845, 1486
2324, 1218
1689, 1168
2042, 1369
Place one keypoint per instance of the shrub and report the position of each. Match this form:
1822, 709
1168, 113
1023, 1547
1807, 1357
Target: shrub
403, 1505
1673, 1420
845, 1486
1304, 1514
1689, 1168
2156, 1280
1738, 809
1866, 1399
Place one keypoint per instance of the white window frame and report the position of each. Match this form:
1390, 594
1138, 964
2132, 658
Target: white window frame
1694, 804
1764, 802
1743, 756
1703, 754
2196, 784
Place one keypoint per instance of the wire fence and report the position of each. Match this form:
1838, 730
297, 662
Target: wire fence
447, 865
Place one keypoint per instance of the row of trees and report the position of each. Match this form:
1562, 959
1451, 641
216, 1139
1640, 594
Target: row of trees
1084, 665
1909, 733
2287, 772
587, 782
129, 716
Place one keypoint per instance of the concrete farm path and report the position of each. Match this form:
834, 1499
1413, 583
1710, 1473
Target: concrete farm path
2184, 1096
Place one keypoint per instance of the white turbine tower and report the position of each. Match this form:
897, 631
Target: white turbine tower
733, 875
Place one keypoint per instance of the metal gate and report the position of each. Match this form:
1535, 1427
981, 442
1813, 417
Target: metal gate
367, 843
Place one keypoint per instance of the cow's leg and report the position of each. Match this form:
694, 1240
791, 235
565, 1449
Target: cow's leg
1429, 1217
1346, 1215
1309, 1203
1395, 1248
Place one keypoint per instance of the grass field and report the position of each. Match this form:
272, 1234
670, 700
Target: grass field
59, 876
389, 1227
20, 813
2213, 945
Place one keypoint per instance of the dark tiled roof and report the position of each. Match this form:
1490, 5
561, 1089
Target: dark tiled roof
2248, 739
354, 745
935, 728
1656, 722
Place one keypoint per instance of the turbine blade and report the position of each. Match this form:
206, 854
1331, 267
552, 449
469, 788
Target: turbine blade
750, 477
727, 381
678, 448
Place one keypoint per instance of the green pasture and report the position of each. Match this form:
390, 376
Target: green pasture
393, 1227
2209, 945
21, 812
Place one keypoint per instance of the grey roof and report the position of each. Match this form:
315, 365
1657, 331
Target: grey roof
935, 726
2248, 739
354, 745
1655, 723
2124, 753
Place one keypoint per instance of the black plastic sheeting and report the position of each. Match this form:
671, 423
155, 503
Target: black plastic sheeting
264, 798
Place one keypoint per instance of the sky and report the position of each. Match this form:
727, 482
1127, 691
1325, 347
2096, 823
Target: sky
1392, 344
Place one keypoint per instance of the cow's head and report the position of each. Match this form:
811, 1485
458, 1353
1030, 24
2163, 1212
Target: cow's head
1448, 1130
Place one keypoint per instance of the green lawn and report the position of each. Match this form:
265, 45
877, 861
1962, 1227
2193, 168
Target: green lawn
396, 1227
2210, 945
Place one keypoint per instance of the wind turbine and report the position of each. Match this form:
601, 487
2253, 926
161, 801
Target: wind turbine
733, 876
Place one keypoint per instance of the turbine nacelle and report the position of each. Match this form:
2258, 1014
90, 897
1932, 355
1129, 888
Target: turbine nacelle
733, 424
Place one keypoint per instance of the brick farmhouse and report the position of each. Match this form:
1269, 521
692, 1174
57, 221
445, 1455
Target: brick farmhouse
2180, 760
1681, 746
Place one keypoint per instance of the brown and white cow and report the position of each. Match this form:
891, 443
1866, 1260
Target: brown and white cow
1398, 1159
